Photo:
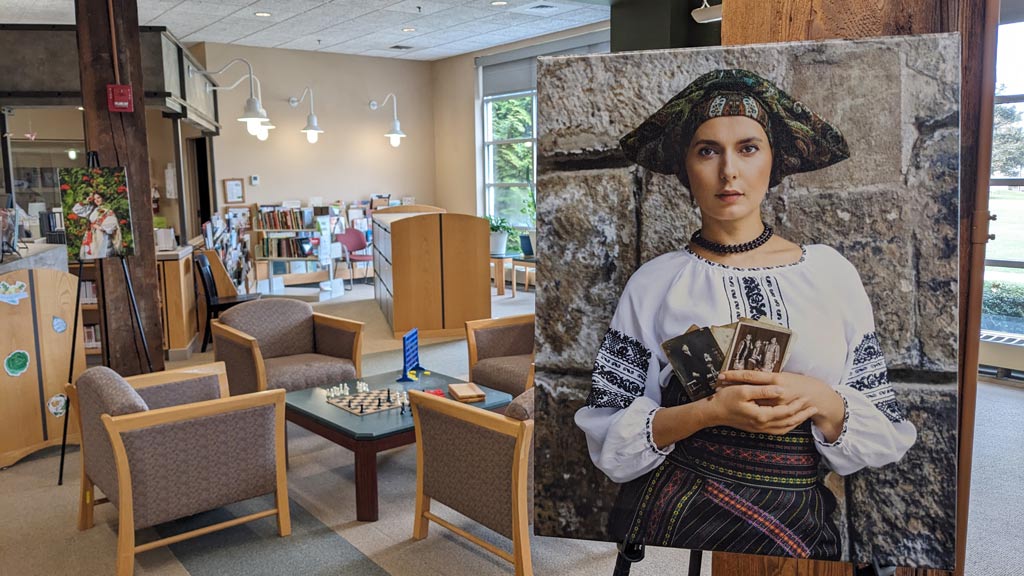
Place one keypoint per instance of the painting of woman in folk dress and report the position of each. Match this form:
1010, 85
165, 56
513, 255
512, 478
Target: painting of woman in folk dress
97, 213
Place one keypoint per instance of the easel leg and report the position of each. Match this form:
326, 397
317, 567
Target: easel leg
71, 375
135, 311
696, 560
628, 554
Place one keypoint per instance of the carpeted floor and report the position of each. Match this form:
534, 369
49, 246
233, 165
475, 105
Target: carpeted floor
38, 534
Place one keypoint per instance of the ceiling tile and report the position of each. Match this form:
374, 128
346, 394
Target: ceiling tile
422, 7
200, 10
382, 19
544, 8
452, 17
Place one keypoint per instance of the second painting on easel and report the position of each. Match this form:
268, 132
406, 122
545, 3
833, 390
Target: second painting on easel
97, 212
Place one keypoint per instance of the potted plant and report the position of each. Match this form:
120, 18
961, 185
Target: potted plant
500, 229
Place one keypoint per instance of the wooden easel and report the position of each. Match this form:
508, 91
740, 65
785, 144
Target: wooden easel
93, 162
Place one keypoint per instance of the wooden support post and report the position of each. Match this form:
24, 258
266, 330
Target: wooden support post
120, 140
754, 21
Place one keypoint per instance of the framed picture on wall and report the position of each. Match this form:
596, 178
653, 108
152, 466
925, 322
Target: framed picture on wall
234, 191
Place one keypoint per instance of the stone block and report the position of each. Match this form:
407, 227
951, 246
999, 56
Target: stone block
667, 216
572, 498
586, 232
904, 514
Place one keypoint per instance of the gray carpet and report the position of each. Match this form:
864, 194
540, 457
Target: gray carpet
313, 549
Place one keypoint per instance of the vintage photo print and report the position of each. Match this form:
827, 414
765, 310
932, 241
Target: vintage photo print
798, 204
758, 346
697, 360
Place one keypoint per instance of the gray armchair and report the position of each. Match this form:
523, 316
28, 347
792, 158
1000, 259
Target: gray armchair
281, 343
501, 353
171, 444
479, 464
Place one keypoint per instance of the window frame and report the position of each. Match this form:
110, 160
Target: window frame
491, 145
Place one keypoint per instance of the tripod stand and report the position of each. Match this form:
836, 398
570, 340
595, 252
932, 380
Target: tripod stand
630, 554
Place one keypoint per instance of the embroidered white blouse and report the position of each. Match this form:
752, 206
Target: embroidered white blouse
820, 298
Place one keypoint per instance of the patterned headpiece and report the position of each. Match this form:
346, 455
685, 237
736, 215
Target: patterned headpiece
801, 141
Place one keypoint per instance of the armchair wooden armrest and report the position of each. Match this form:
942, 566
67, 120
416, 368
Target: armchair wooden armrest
118, 427
339, 337
241, 354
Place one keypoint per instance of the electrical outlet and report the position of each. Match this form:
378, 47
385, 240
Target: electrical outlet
254, 180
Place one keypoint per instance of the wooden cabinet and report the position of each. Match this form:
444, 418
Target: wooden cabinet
177, 301
37, 309
432, 271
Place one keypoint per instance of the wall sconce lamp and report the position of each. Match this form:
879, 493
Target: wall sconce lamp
394, 135
707, 13
312, 129
253, 113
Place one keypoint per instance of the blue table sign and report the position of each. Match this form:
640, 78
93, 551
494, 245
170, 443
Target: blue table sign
410, 354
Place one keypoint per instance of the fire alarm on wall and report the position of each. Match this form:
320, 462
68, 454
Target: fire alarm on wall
254, 180
119, 98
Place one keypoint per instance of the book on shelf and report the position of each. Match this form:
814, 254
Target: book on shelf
89, 292
91, 334
282, 218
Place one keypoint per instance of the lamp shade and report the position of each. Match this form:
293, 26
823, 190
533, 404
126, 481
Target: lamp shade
395, 134
253, 112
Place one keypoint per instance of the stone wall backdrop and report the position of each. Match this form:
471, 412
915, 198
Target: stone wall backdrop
891, 209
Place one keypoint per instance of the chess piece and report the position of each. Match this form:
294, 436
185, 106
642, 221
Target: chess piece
361, 408
378, 402
389, 395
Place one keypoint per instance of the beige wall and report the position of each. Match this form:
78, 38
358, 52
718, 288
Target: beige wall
48, 123
458, 136
353, 159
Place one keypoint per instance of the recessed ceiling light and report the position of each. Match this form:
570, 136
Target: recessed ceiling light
408, 29
81, 108
499, 3
263, 14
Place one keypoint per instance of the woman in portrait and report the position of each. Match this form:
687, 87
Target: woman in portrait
103, 236
738, 471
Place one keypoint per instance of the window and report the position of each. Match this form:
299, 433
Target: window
510, 156
1003, 297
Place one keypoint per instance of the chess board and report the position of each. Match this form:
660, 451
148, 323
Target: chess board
370, 402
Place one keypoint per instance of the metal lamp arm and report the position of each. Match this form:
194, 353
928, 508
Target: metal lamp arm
394, 100
296, 101
252, 88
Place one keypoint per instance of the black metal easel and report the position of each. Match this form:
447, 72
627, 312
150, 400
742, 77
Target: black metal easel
94, 162
630, 554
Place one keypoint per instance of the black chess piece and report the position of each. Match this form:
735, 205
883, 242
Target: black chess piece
361, 408
389, 395
379, 402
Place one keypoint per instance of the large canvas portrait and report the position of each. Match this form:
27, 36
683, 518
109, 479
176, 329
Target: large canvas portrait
747, 300
97, 213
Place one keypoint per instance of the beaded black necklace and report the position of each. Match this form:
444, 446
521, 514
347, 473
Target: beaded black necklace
732, 248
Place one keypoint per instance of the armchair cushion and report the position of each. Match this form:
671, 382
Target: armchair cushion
302, 371
334, 341
181, 392
282, 326
506, 373
504, 340
102, 391
184, 468
521, 407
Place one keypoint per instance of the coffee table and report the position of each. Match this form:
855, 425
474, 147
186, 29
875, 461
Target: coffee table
368, 434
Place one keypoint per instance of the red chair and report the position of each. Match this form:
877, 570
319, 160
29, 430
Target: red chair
353, 241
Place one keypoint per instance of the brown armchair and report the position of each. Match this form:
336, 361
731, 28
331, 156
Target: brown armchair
501, 353
479, 464
281, 343
171, 444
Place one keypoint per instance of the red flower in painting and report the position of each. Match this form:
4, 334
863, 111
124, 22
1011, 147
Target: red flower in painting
96, 171
122, 189
72, 216
85, 179
123, 221
65, 187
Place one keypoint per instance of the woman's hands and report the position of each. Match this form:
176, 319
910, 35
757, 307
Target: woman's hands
787, 399
758, 408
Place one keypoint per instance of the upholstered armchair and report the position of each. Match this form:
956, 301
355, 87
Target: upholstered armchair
281, 343
501, 353
479, 464
171, 444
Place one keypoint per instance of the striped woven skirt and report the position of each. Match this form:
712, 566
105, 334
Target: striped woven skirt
727, 490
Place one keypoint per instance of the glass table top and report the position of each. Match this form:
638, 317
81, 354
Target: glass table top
313, 403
